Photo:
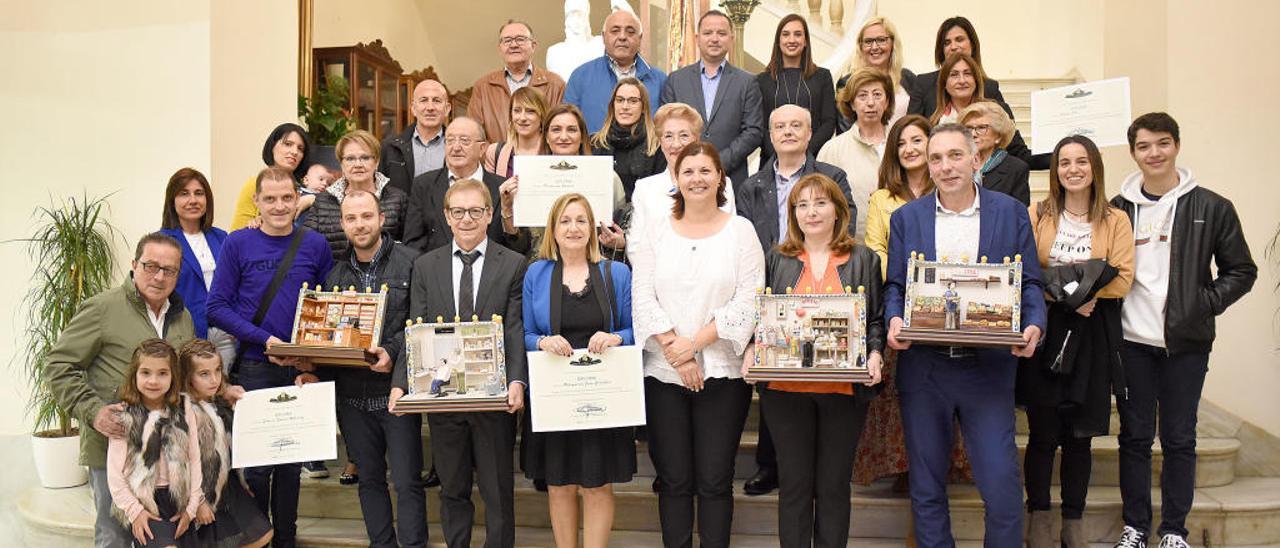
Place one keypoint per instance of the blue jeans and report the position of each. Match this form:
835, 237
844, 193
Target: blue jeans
275, 488
1166, 389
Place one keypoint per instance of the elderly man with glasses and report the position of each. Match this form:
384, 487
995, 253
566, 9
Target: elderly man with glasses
491, 94
425, 227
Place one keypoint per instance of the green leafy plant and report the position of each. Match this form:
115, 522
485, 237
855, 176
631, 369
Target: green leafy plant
72, 251
327, 116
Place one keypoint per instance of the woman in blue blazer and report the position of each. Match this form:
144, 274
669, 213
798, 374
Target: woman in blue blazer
188, 218
573, 298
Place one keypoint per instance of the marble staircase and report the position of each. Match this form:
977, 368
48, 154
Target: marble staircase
1230, 510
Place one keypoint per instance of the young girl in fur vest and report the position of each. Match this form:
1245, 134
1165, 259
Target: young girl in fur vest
236, 519
154, 471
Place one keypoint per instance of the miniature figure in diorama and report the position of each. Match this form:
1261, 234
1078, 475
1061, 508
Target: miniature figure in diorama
440, 377
952, 300
806, 346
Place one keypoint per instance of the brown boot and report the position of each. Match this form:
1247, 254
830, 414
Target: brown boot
1040, 530
1073, 534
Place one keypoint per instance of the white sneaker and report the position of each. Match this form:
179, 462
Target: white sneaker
1173, 541
1131, 538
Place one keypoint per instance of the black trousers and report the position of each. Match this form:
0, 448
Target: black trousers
693, 439
817, 440
464, 445
1166, 389
373, 439
1050, 430
766, 455
275, 488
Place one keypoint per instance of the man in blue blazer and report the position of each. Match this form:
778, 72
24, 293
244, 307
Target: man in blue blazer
937, 383
590, 87
726, 96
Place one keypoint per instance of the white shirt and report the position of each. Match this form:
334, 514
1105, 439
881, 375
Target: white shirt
157, 320
956, 233
682, 284
1073, 243
200, 247
476, 267
653, 197
478, 175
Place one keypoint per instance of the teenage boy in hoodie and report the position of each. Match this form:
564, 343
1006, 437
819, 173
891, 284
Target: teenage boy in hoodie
1178, 229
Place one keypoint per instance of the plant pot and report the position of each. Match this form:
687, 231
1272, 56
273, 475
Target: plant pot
58, 460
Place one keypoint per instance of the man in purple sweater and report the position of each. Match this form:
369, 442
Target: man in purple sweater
239, 304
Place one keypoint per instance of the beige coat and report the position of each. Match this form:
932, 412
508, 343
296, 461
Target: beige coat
861, 163
491, 101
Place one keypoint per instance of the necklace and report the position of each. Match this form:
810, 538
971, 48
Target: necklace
1066, 209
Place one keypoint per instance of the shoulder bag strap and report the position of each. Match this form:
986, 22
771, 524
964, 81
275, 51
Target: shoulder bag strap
278, 278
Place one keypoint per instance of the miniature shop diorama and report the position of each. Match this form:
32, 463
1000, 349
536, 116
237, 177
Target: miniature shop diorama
963, 303
335, 327
454, 366
810, 337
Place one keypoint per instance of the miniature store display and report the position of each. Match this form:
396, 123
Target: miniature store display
454, 366
335, 327
810, 337
963, 303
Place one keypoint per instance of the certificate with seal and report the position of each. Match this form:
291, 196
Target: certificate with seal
544, 179
1098, 110
284, 425
585, 390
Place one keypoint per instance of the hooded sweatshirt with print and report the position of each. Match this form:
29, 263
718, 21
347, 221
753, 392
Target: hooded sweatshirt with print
1142, 317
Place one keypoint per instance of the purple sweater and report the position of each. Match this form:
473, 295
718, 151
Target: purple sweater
245, 267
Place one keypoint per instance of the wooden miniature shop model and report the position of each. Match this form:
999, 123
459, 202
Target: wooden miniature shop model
454, 366
810, 337
962, 303
336, 327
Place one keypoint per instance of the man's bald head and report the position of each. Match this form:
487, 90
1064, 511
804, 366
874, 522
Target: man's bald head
622, 33
430, 107
463, 146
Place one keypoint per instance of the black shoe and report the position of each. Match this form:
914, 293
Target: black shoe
540, 485
657, 484
763, 483
430, 479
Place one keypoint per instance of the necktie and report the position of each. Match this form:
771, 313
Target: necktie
466, 288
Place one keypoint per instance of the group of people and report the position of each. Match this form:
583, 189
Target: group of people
855, 176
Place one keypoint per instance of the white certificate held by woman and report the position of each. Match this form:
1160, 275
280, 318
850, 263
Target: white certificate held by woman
544, 179
586, 391
285, 424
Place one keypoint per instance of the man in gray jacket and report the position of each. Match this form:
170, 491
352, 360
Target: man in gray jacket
726, 96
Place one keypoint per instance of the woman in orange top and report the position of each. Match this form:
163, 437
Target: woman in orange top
816, 425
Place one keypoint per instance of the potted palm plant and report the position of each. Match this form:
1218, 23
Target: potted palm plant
71, 249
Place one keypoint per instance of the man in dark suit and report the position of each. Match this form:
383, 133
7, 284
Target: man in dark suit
425, 226
761, 199
473, 276
726, 96
420, 148
937, 383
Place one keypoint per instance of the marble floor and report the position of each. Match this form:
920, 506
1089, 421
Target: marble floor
19, 474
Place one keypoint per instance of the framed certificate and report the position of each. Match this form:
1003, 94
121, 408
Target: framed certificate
285, 424
963, 303
335, 327
586, 390
1098, 110
455, 366
544, 179
811, 337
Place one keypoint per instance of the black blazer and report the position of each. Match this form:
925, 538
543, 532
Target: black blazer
862, 269
500, 292
1010, 177
823, 109
757, 199
924, 100
424, 223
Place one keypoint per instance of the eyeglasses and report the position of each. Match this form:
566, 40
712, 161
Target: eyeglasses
681, 138
515, 41
455, 140
155, 268
362, 159
979, 129
882, 41
475, 212
620, 100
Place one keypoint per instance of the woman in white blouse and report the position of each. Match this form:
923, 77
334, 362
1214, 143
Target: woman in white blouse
868, 100
696, 275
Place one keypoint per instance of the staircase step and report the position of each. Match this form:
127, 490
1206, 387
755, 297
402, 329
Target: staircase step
1245, 513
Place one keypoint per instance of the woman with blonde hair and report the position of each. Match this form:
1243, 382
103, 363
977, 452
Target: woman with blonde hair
878, 47
993, 130
628, 135
524, 132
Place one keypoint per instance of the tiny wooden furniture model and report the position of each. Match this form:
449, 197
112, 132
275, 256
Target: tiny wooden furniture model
963, 303
454, 366
335, 327
811, 337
